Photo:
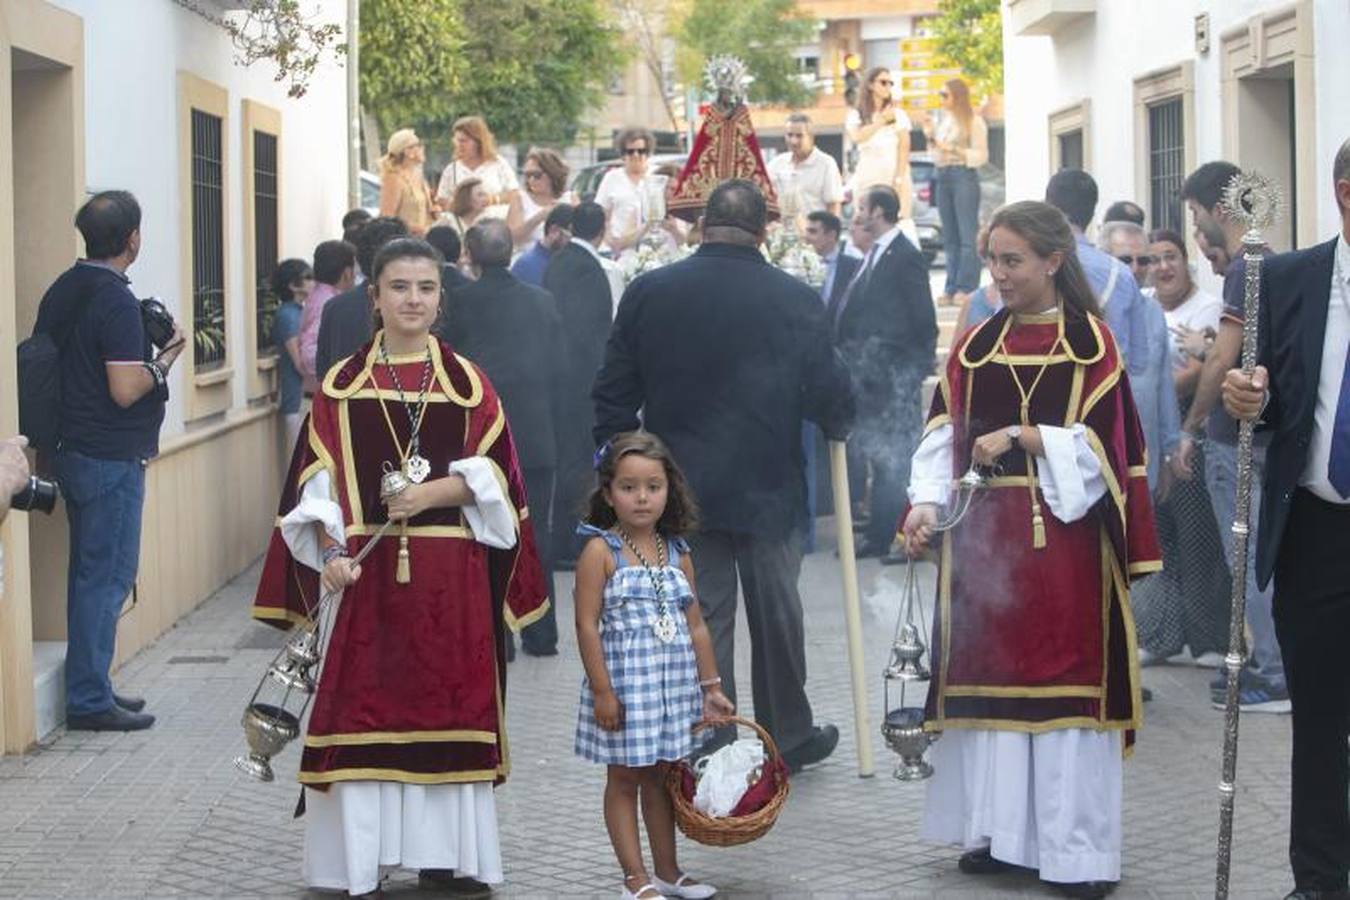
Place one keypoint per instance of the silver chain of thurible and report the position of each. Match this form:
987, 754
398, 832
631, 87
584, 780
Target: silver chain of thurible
412, 409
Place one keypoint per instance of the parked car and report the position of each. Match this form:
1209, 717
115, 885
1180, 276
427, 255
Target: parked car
587, 180
922, 171
370, 192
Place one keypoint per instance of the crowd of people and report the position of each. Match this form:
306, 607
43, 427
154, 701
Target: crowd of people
506, 346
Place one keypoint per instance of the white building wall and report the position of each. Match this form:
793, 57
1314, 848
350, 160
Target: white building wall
1098, 57
134, 50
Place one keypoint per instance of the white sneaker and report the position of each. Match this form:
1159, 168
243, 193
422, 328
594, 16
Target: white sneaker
684, 887
1212, 659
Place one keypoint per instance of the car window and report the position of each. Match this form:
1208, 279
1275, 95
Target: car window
370, 193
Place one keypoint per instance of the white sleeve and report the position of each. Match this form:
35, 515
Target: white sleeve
852, 121
834, 183
930, 472
490, 516
316, 507
1070, 475
445, 189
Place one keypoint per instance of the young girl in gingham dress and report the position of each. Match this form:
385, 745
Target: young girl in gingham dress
650, 671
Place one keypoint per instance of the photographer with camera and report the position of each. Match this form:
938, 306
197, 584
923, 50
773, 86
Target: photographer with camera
113, 388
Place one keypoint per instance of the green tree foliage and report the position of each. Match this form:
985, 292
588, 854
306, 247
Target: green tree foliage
532, 68
412, 61
970, 37
763, 33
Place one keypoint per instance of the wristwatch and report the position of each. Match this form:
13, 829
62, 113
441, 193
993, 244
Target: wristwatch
1014, 433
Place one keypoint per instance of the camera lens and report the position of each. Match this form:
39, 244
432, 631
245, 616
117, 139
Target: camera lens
38, 496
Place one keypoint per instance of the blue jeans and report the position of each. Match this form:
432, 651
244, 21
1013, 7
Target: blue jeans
103, 502
1221, 479
958, 200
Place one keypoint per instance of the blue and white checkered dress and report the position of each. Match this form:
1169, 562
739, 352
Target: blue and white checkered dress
657, 683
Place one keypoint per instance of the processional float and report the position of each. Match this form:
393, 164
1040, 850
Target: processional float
1253, 201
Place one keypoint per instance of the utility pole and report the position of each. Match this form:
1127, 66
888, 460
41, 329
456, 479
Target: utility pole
353, 104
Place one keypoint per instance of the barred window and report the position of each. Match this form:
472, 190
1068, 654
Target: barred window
208, 241
1166, 163
265, 249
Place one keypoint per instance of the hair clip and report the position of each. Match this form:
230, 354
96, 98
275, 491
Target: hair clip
600, 453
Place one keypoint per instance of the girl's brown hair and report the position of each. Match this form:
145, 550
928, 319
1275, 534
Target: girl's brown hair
553, 167
1047, 231
462, 202
476, 128
959, 91
681, 513
865, 108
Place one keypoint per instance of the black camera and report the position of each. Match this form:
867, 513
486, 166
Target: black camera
158, 322
39, 495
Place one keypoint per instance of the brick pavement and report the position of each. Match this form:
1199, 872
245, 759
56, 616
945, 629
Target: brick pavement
164, 814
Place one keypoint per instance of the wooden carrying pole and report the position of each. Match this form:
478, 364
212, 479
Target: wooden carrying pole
843, 522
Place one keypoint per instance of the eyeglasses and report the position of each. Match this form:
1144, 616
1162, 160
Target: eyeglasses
1129, 260
636, 151
532, 174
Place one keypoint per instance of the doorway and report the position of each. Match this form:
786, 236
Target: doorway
1267, 138
43, 97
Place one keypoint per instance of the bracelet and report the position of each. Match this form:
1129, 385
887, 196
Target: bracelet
710, 682
156, 372
333, 552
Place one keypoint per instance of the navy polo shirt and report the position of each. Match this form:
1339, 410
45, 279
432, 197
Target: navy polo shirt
92, 307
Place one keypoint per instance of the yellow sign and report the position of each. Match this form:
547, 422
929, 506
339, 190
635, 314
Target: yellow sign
919, 62
917, 45
929, 81
920, 101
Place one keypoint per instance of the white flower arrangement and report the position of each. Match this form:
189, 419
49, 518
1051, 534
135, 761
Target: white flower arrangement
785, 249
651, 255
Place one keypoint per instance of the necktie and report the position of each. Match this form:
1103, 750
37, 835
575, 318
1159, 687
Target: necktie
859, 279
1338, 469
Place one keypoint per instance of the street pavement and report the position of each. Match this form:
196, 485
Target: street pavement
163, 813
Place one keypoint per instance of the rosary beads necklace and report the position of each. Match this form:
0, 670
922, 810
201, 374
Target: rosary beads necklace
415, 466
664, 626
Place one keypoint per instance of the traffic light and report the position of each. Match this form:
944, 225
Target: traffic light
852, 63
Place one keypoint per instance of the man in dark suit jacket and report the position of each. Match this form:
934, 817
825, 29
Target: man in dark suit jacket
885, 327
578, 284
725, 356
346, 323
512, 331
823, 232
1301, 391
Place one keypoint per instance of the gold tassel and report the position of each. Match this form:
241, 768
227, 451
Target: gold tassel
403, 572
1037, 528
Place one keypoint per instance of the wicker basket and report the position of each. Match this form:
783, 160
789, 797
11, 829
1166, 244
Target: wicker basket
727, 831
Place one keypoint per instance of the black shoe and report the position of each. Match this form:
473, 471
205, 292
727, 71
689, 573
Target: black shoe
457, 886
818, 746
130, 704
1146, 695
981, 862
112, 719
1087, 890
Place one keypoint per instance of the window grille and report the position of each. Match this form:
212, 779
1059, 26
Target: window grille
265, 241
1166, 163
208, 241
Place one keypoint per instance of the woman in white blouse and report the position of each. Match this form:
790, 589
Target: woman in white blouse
960, 144
880, 131
476, 157
545, 175
628, 192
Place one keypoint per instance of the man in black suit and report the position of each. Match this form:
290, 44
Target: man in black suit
725, 356
512, 331
346, 322
885, 327
1301, 391
577, 282
823, 231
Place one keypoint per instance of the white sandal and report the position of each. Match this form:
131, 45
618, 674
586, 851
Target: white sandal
642, 893
685, 888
